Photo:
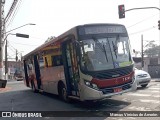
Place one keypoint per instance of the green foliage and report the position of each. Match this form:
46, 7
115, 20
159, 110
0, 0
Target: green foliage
152, 49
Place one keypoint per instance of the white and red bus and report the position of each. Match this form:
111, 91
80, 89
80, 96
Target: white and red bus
88, 62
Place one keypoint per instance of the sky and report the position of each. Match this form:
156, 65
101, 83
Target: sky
54, 17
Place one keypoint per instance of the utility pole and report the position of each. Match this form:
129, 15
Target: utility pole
6, 60
159, 27
142, 51
16, 55
2, 27
1, 59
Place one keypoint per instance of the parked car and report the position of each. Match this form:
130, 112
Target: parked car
142, 78
19, 77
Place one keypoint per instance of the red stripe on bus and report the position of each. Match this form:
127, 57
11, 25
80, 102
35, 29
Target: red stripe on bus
103, 83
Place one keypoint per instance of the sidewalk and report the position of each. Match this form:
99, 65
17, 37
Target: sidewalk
2, 90
155, 79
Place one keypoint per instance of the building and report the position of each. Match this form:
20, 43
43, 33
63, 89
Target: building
14, 67
151, 65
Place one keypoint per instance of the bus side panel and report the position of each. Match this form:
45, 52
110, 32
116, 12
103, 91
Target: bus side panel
57, 75
50, 77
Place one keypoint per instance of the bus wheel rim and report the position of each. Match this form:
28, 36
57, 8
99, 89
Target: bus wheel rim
64, 94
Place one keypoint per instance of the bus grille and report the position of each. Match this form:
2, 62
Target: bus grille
109, 74
111, 90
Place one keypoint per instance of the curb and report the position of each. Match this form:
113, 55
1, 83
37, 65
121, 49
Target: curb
5, 89
156, 80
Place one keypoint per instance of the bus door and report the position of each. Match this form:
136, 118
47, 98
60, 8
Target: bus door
26, 73
70, 67
37, 71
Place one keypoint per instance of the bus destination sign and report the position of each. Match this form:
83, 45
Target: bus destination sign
104, 29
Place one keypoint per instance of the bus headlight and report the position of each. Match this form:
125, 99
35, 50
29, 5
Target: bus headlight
91, 85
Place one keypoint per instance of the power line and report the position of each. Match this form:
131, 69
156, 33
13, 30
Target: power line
24, 44
11, 10
142, 21
11, 49
142, 30
14, 13
12, 46
37, 38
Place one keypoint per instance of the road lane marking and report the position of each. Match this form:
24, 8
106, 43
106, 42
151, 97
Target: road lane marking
148, 91
139, 108
155, 91
144, 95
137, 94
154, 88
149, 101
157, 96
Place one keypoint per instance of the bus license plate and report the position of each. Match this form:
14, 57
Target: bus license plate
117, 89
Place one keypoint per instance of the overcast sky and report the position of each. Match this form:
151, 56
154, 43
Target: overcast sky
54, 17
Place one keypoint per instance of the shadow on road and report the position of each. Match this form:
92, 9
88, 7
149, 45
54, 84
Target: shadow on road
104, 105
26, 100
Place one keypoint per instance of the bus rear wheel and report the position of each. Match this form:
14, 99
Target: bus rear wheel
33, 87
63, 93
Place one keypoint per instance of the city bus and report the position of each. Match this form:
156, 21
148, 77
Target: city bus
88, 62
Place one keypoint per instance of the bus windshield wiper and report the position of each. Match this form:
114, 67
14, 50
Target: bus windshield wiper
115, 46
102, 48
114, 49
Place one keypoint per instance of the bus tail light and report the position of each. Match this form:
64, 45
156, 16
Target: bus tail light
91, 85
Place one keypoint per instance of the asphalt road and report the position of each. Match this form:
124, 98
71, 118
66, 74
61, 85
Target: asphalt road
17, 97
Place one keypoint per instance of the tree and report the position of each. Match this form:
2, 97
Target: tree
50, 38
152, 49
150, 44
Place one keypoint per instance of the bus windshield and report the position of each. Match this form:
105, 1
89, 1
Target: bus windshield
105, 53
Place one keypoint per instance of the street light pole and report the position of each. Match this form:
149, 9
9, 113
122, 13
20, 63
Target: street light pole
142, 51
2, 41
6, 59
20, 27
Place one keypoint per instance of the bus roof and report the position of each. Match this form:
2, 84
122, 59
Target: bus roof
69, 32
62, 36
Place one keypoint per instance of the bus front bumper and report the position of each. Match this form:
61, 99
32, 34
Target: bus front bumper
93, 94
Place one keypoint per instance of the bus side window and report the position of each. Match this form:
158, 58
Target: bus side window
57, 60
